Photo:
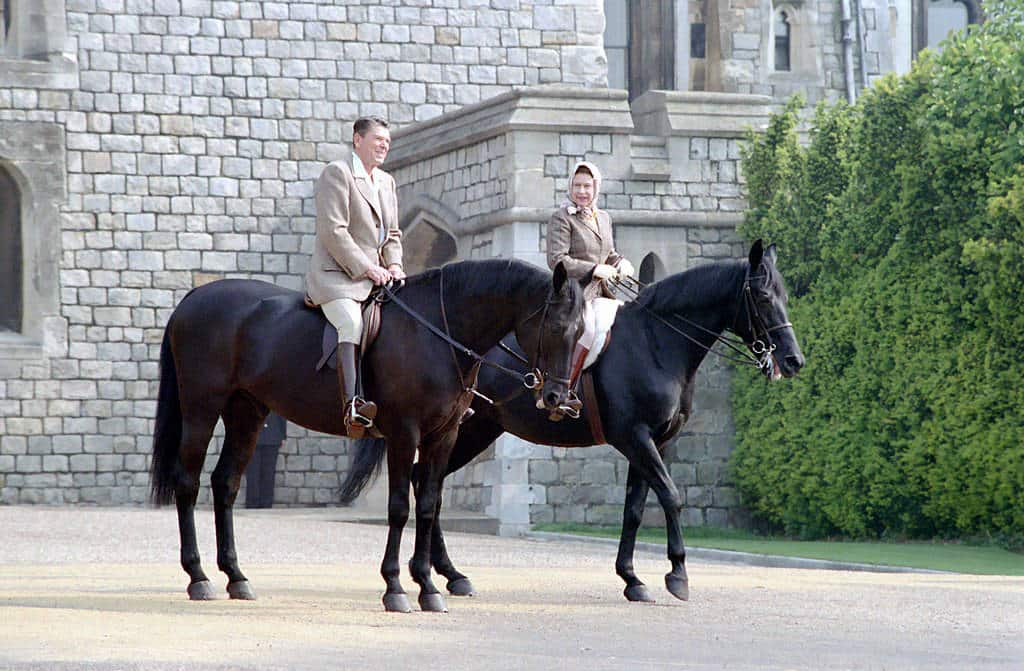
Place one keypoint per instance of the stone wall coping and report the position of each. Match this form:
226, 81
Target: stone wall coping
553, 108
695, 113
659, 218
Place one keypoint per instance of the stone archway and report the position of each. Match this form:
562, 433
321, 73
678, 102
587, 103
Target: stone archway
427, 238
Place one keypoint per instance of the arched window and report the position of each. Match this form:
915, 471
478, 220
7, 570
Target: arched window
651, 269
426, 245
10, 253
781, 29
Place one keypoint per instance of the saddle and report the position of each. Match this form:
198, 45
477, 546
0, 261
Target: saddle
329, 339
599, 317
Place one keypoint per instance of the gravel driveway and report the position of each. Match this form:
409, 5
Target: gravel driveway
100, 588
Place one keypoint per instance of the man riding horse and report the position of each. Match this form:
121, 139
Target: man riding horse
358, 245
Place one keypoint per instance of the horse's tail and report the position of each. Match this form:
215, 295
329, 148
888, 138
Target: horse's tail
167, 432
367, 459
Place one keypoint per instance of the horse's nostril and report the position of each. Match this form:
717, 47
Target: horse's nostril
551, 399
794, 361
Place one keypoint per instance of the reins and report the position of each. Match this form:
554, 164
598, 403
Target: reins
760, 351
533, 380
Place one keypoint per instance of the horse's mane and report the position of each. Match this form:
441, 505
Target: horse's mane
503, 277
692, 287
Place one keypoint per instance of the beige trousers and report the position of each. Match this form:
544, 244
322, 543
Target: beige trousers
347, 316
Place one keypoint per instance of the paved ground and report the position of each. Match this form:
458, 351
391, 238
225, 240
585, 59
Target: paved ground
100, 589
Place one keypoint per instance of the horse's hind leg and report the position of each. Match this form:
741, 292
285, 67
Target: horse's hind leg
243, 418
474, 437
632, 515
197, 429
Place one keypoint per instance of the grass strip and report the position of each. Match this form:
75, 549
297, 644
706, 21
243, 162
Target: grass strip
941, 556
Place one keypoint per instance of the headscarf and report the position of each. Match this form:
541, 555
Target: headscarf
589, 212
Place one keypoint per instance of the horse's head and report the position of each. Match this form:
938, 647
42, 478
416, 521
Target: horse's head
555, 329
762, 320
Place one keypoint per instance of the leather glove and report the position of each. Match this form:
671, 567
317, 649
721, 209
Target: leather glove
625, 267
603, 271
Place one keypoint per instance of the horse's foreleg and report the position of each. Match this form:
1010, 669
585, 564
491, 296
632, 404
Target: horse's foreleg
400, 455
632, 515
196, 433
242, 422
648, 462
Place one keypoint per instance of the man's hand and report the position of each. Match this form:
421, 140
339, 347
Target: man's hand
396, 271
378, 274
603, 271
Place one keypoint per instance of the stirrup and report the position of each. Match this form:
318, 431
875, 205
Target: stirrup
360, 413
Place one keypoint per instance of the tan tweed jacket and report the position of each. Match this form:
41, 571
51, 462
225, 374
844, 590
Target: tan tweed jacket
348, 224
580, 246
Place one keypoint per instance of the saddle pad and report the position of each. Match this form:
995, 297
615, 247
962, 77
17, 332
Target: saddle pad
600, 316
329, 340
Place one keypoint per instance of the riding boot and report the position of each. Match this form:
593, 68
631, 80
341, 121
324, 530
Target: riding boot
579, 355
358, 413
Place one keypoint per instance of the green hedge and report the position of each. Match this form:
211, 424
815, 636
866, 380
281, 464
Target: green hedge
901, 235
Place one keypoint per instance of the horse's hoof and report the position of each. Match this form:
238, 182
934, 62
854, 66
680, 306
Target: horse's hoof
201, 591
433, 603
461, 587
678, 587
638, 593
241, 590
397, 603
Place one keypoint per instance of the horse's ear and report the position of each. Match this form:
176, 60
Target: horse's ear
561, 275
772, 253
756, 253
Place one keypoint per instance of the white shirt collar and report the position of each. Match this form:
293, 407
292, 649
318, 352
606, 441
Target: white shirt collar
359, 170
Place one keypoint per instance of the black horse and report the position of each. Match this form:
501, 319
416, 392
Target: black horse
235, 349
644, 387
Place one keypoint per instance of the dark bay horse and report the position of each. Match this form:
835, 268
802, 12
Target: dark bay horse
644, 385
235, 349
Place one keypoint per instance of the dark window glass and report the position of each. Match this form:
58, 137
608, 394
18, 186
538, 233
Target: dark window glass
10, 253
698, 40
781, 41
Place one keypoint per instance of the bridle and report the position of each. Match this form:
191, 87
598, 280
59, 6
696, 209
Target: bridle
757, 353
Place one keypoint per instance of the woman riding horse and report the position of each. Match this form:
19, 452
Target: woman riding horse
580, 236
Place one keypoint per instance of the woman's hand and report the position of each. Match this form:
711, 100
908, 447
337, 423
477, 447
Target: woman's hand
603, 271
625, 267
